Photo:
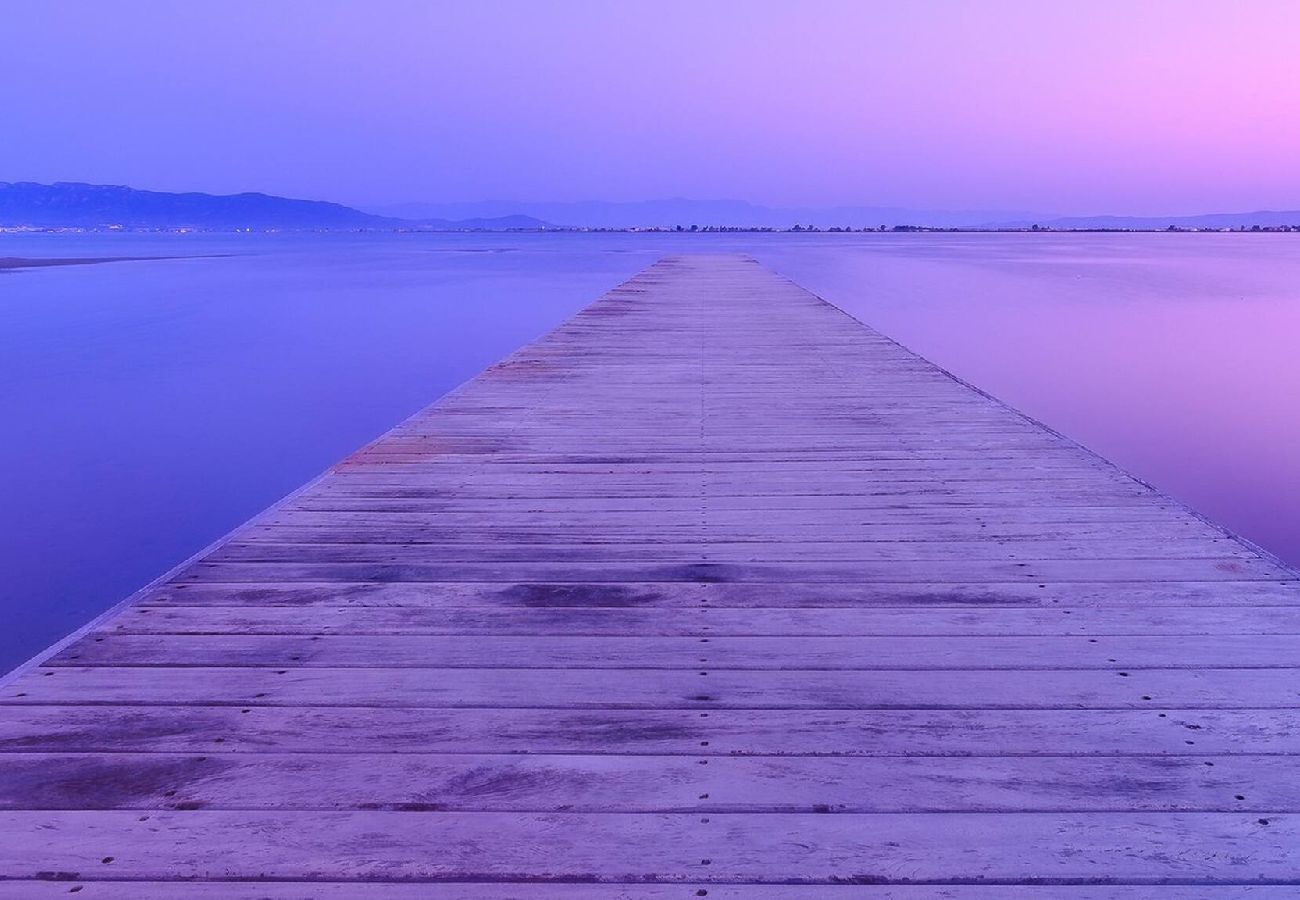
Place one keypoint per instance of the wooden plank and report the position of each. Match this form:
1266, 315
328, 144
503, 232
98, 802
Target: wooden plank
622, 847
450, 498
299, 527
312, 890
629, 688
556, 783
708, 621
700, 734
716, 652
791, 521
709, 592
316, 564
866, 598
393, 545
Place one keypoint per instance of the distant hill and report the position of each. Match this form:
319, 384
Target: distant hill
75, 205
70, 204
1262, 218
493, 223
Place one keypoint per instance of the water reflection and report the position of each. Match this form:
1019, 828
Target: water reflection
148, 407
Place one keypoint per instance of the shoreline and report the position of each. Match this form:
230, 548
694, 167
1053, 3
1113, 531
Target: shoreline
31, 262
14, 263
652, 229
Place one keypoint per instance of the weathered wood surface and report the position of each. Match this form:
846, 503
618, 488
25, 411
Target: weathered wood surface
427, 890
710, 592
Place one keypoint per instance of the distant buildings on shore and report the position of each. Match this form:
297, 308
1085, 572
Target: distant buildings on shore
657, 229
849, 229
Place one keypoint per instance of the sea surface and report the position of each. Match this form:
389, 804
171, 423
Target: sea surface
147, 407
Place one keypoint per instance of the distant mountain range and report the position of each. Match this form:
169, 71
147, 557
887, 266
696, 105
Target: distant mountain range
1262, 218
733, 213
739, 214
75, 205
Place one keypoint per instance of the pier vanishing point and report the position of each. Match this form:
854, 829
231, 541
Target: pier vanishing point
710, 592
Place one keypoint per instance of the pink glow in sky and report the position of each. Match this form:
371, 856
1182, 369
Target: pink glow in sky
1046, 105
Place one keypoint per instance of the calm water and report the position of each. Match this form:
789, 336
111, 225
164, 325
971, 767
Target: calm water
148, 407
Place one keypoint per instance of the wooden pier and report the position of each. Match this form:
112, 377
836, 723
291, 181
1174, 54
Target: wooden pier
711, 592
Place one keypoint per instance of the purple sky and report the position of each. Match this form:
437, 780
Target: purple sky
1045, 105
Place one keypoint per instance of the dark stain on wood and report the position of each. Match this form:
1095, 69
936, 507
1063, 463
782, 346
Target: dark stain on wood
575, 595
102, 782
